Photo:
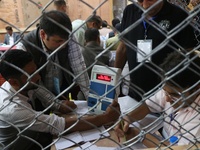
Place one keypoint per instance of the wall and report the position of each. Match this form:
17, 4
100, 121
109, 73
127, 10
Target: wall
79, 10
22, 13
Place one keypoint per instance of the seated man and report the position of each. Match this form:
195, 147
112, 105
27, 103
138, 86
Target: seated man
10, 37
178, 100
80, 26
21, 126
93, 49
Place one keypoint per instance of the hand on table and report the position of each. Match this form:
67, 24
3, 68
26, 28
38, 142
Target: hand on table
67, 106
113, 111
122, 128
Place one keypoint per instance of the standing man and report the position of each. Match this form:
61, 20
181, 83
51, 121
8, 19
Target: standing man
93, 49
10, 37
57, 55
60, 5
80, 26
154, 34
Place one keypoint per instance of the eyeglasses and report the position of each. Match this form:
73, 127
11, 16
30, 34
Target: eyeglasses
173, 98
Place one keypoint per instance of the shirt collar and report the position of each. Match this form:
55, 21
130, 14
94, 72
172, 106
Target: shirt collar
43, 46
13, 91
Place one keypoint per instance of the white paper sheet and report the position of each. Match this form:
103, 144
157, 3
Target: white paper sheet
66, 141
78, 137
93, 134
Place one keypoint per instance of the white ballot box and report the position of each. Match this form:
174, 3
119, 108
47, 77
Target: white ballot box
104, 87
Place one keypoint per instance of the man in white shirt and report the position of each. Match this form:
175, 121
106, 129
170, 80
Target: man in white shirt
11, 37
21, 126
80, 26
178, 101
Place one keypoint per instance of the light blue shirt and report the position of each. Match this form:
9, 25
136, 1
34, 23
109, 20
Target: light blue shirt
79, 27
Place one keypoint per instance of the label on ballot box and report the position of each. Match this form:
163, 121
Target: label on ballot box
104, 88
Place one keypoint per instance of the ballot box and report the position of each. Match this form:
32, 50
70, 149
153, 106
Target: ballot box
104, 87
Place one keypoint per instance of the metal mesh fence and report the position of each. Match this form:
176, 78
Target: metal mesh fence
173, 101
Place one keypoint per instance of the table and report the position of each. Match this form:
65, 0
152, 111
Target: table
112, 141
102, 143
6, 47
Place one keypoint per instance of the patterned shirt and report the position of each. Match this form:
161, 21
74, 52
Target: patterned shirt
15, 110
77, 64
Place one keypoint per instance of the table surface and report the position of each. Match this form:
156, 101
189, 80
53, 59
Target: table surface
6, 47
101, 143
112, 141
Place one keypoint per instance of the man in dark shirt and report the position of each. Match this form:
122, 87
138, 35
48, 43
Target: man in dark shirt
149, 37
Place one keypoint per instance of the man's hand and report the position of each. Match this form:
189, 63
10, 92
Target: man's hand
67, 106
122, 127
113, 112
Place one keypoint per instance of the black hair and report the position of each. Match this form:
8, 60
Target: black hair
115, 21
59, 3
104, 23
91, 34
183, 70
118, 27
8, 28
56, 23
95, 18
16, 57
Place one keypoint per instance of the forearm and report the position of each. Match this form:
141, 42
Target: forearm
148, 139
85, 123
139, 113
121, 57
151, 141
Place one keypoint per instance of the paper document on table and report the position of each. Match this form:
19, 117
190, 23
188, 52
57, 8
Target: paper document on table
90, 146
87, 146
69, 140
77, 137
94, 134
82, 107
126, 103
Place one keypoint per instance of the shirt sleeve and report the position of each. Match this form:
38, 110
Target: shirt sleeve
80, 36
37, 121
156, 103
78, 66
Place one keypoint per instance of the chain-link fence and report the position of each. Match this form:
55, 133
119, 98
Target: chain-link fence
165, 92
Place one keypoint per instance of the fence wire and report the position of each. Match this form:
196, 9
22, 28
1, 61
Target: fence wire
186, 130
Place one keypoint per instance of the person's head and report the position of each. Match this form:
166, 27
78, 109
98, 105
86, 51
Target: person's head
181, 78
60, 5
94, 21
115, 21
148, 3
55, 27
9, 30
92, 34
117, 28
104, 24
14, 66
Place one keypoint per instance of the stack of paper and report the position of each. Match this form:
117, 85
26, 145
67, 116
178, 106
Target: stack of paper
78, 137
